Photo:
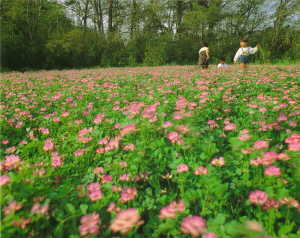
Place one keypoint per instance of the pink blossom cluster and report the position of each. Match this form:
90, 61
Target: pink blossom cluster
261, 198
201, 170
129, 147
229, 126
282, 117
128, 194
79, 152
182, 129
65, 114
268, 158
116, 189
109, 145
105, 178
272, 171
56, 160
183, 108
103, 141
82, 135
267, 126
175, 138
193, 225
4, 179
290, 202
22, 222
260, 144
172, 209
218, 161
212, 124
183, 103
293, 142
167, 124
150, 112
94, 191
128, 129
182, 168
133, 109
254, 226
258, 197
84, 132
98, 170
56, 119
37, 208
124, 177
125, 221
141, 177
99, 118
209, 235
244, 135
57, 96
113, 208
10, 162
49, 145
178, 115
10, 150
90, 224
269, 204
12, 207
44, 131
5, 142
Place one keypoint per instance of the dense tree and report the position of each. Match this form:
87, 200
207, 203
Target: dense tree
26, 28
283, 33
81, 33
98, 15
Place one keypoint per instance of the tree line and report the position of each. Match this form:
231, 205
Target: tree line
82, 33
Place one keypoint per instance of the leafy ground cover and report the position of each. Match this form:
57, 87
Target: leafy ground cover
151, 152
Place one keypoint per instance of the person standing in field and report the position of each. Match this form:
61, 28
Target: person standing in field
242, 56
204, 56
222, 64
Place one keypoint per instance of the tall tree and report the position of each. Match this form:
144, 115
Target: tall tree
85, 16
180, 7
244, 17
280, 36
81, 9
133, 17
110, 15
98, 15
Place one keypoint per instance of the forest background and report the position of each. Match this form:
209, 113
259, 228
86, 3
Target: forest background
44, 34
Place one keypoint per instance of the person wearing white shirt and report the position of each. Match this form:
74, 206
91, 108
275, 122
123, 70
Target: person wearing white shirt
243, 53
204, 56
222, 64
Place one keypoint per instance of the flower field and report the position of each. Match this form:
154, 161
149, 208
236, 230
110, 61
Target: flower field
151, 152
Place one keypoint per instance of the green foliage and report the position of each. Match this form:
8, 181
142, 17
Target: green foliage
76, 48
155, 52
136, 49
219, 193
114, 52
26, 28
